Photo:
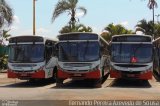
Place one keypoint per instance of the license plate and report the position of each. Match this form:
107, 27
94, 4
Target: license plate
78, 75
24, 74
130, 75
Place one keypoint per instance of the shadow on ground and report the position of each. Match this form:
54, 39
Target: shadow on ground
80, 84
76, 84
156, 76
28, 84
130, 83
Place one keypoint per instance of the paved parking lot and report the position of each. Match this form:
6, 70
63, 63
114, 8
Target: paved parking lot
111, 89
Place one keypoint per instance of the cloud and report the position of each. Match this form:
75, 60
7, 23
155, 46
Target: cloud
16, 19
125, 23
42, 31
79, 14
16, 23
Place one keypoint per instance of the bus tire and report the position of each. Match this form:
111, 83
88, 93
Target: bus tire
59, 82
32, 80
98, 83
54, 76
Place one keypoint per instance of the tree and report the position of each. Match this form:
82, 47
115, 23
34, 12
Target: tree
147, 26
70, 7
106, 35
151, 5
77, 28
6, 14
4, 37
157, 30
4, 49
112, 29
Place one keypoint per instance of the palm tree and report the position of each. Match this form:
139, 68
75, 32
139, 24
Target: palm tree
6, 13
147, 27
77, 28
4, 37
151, 5
112, 29
70, 7
117, 29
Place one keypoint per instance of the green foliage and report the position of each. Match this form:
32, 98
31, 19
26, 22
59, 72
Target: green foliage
4, 36
157, 30
77, 28
70, 7
152, 4
3, 61
6, 14
148, 27
3, 57
112, 29
107, 36
4, 50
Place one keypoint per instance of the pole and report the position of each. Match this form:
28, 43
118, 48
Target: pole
153, 24
34, 20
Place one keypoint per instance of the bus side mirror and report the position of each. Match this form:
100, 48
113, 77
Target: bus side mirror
57, 49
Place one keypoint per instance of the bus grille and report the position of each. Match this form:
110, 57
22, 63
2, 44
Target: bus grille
130, 65
77, 64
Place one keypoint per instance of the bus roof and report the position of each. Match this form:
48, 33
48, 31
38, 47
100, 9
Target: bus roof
131, 35
76, 33
53, 39
83, 33
131, 38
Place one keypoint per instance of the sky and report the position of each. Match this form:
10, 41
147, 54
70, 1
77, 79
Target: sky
100, 13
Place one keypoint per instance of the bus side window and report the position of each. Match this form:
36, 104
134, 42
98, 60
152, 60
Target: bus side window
56, 48
48, 50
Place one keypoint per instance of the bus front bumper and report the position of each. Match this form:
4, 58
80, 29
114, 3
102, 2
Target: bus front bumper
142, 75
26, 75
87, 75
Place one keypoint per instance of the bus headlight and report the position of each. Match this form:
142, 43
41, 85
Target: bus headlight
96, 68
112, 68
40, 69
146, 71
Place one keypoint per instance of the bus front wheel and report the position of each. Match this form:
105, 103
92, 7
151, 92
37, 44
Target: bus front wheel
98, 83
59, 82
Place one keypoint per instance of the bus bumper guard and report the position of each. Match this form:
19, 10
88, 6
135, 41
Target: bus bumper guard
89, 75
37, 74
144, 76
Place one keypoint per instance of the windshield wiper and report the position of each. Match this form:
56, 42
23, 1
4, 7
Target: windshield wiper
136, 49
85, 51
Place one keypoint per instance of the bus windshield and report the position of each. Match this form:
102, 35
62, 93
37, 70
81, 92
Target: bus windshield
78, 51
26, 53
124, 52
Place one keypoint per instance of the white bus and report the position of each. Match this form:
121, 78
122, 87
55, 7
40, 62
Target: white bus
156, 62
82, 56
131, 57
31, 57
